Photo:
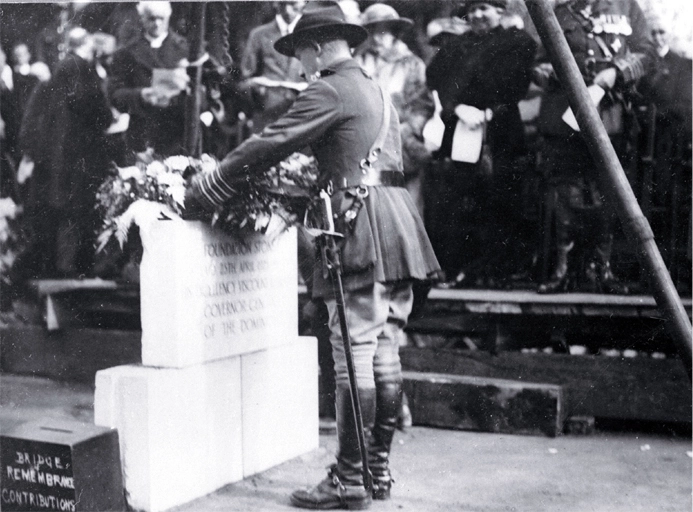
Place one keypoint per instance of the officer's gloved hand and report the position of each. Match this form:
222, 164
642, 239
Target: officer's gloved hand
195, 205
543, 74
606, 78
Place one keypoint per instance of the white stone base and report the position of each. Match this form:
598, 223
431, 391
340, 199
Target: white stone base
280, 404
186, 432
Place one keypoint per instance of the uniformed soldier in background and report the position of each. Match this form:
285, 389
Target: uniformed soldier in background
612, 45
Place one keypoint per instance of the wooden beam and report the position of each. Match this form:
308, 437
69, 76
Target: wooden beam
484, 404
600, 386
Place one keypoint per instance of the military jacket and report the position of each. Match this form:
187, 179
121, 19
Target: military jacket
340, 116
600, 34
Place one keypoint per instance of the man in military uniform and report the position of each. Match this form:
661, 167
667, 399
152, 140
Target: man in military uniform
342, 116
611, 43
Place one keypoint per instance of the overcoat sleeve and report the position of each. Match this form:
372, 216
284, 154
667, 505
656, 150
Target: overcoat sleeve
314, 112
251, 59
124, 94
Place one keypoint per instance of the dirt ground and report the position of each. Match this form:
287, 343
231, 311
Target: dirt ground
443, 470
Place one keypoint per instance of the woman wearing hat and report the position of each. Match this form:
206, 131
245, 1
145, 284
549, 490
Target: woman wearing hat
480, 76
388, 59
340, 115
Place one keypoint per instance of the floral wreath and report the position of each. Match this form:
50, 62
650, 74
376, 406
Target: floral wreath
284, 190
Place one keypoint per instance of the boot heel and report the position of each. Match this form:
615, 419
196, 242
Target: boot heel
381, 493
358, 504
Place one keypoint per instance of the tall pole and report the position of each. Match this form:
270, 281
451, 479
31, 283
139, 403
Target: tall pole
193, 102
614, 180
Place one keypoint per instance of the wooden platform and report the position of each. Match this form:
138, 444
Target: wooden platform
476, 333
520, 302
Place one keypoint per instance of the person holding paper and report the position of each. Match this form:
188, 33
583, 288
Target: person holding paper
479, 76
612, 46
272, 79
147, 78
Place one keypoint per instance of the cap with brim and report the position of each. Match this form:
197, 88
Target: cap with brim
462, 10
319, 22
382, 16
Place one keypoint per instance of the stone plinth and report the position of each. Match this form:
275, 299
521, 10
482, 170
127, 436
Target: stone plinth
185, 432
280, 404
206, 296
179, 429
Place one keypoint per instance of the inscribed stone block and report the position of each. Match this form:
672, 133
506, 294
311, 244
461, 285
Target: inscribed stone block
180, 429
207, 296
280, 404
484, 404
53, 464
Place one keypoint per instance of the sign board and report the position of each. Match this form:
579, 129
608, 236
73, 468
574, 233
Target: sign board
60, 465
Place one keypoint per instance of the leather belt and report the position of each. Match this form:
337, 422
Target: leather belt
373, 179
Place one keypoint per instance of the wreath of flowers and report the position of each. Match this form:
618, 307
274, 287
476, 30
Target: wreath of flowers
283, 190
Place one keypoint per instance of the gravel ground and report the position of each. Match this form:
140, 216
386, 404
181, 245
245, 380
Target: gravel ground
442, 470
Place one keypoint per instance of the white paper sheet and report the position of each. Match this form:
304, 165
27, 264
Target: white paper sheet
596, 93
466, 143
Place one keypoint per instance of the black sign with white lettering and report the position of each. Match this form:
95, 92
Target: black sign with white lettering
36, 476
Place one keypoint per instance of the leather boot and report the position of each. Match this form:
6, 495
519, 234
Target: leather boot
559, 280
388, 400
599, 274
343, 488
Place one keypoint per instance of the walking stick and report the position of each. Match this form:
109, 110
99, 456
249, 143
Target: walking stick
332, 266
634, 222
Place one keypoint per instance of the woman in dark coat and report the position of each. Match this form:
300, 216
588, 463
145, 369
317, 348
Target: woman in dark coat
487, 68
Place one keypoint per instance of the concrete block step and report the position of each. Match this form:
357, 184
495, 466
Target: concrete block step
484, 404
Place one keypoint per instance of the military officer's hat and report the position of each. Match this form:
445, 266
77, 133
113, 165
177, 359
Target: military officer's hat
327, 18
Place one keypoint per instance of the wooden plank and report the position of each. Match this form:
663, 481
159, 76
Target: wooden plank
484, 404
604, 387
70, 355
45, 287
520, 302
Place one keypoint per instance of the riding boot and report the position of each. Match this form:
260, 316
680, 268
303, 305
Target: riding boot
559, 280
344, 487
599, 272
388, 400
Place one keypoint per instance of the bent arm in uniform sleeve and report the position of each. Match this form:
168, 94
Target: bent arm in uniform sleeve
640, 58
312, 114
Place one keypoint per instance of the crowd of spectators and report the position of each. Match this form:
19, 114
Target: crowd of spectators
502, 185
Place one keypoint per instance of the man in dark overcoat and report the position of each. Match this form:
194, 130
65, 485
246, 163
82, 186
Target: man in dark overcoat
155, 121
340, 115
78, 161
480, 77
612, 46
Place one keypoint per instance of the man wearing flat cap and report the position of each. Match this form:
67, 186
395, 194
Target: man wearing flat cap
346, 118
